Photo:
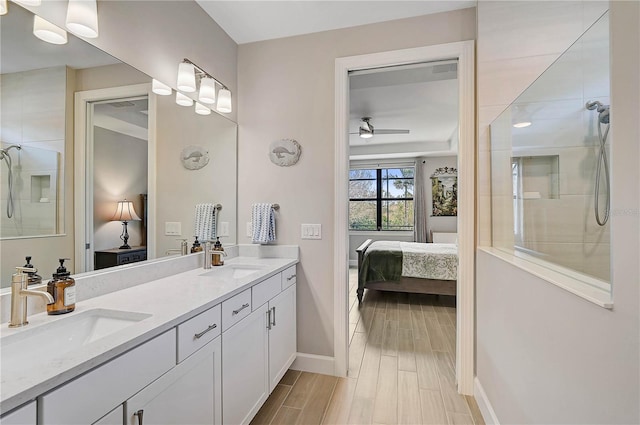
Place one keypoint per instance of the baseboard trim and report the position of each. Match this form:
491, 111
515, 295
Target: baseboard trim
353, 263
484, 404
314, 363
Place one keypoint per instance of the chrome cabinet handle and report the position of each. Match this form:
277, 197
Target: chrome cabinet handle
139, 415
240, 309
210, 328
273, 323
269, 319
293, 276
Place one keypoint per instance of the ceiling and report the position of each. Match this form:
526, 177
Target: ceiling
249, 21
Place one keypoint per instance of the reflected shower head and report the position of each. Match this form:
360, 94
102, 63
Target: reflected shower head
603, 110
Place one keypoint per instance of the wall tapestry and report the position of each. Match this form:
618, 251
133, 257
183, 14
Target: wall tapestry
444, 189
285, 152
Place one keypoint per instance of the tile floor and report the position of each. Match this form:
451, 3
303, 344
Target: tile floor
401, 369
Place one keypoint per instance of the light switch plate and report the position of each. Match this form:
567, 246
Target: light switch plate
224, 228
173, 228
311, 231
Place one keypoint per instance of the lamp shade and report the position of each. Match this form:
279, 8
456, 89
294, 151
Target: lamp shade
82, 18
186, 77
183, 100
3, 7
224, 101
202, 110
125, 212
160, 88
48, 32
207, 90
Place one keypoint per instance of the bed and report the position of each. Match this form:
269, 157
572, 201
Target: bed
424, 268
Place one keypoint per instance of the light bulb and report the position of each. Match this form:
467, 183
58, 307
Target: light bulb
160, 88
207, 90
82, 18
186, 77
224, 101
201, 109
183, 100
48, 32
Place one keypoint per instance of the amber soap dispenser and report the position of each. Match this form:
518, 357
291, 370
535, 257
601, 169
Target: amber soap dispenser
63, 290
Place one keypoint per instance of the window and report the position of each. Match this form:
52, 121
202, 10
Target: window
381, 199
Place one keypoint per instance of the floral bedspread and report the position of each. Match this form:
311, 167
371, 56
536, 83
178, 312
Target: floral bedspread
430, 260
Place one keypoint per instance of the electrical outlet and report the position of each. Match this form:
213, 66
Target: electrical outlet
311, 231
224, 228
173, 228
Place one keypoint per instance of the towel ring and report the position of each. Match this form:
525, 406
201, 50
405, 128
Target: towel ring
276, 207
218, 207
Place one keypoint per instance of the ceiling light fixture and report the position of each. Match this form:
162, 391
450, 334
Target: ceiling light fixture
3, 7
201, 109
366, 129
160, 88
82, 18
48, 32
190, 74
183, 100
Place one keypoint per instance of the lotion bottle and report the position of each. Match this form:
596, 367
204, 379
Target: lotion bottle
62, 288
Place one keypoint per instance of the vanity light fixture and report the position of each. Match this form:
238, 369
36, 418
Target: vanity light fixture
125, 213
183, 100
193, 74
82, 18
48, 32
3, 7
201, 109
160, 88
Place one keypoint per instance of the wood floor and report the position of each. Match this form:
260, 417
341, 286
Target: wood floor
401, 369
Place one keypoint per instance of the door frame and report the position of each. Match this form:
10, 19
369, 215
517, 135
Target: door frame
464, 52
83, 160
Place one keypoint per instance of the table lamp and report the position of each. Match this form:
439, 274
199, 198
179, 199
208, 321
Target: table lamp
125, 213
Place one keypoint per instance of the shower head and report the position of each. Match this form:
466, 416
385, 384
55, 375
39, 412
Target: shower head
603, 110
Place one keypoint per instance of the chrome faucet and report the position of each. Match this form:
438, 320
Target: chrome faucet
19, 294
207, 254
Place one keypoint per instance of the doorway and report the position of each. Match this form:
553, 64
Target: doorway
463, 52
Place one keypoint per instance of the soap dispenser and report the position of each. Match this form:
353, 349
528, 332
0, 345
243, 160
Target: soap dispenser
217, 260
34, 277
62, 288
196, 247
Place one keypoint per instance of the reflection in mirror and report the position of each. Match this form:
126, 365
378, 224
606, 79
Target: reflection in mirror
44, 122
549, 166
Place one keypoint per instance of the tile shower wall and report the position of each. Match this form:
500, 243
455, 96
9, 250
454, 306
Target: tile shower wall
33, 116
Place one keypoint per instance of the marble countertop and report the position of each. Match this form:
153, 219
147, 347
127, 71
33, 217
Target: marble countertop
169, 300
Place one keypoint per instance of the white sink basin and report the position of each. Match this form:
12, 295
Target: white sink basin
63, 335
233, 271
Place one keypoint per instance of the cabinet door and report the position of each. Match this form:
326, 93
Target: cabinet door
245, 376
26, 415
115, 417
282, 335
190, 393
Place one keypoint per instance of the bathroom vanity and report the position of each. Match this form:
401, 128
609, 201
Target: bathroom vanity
199, 346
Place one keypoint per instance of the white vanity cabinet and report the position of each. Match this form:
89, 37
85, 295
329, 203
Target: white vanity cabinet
25, 415
258, 350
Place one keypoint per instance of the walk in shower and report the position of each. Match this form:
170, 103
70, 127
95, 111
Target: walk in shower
550, 165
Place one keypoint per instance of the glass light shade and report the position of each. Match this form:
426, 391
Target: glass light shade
48, 32
82, 18
202, 110
160, 88
224, 101
183, 100
522, 124
207, 90
29, 2
125, 212
186, 77
3, 7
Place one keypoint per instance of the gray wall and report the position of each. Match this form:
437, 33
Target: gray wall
545, 355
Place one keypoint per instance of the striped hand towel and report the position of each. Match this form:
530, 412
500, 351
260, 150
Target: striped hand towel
205, 222
263, 221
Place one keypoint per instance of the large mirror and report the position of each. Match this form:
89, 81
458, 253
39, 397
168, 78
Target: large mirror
139, 148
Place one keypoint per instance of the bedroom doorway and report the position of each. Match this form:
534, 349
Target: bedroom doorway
458, 56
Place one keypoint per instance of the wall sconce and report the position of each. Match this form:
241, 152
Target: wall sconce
160, 88
125, 213
48, 32
202, 110
82, 18
190, 74
183, 100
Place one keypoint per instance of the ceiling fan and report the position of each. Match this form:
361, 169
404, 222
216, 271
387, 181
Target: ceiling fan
366, 130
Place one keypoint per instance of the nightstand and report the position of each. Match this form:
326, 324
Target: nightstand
116, 257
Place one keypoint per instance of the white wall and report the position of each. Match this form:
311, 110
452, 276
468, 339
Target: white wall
435, 223
287, 91
545, 355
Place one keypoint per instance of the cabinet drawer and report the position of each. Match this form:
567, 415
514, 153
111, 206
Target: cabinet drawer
25, 415
89, 397
236, 308
196, 332
289, 277
265, 290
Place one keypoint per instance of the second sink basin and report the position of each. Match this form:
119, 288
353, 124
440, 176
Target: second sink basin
233, 271
63, 335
